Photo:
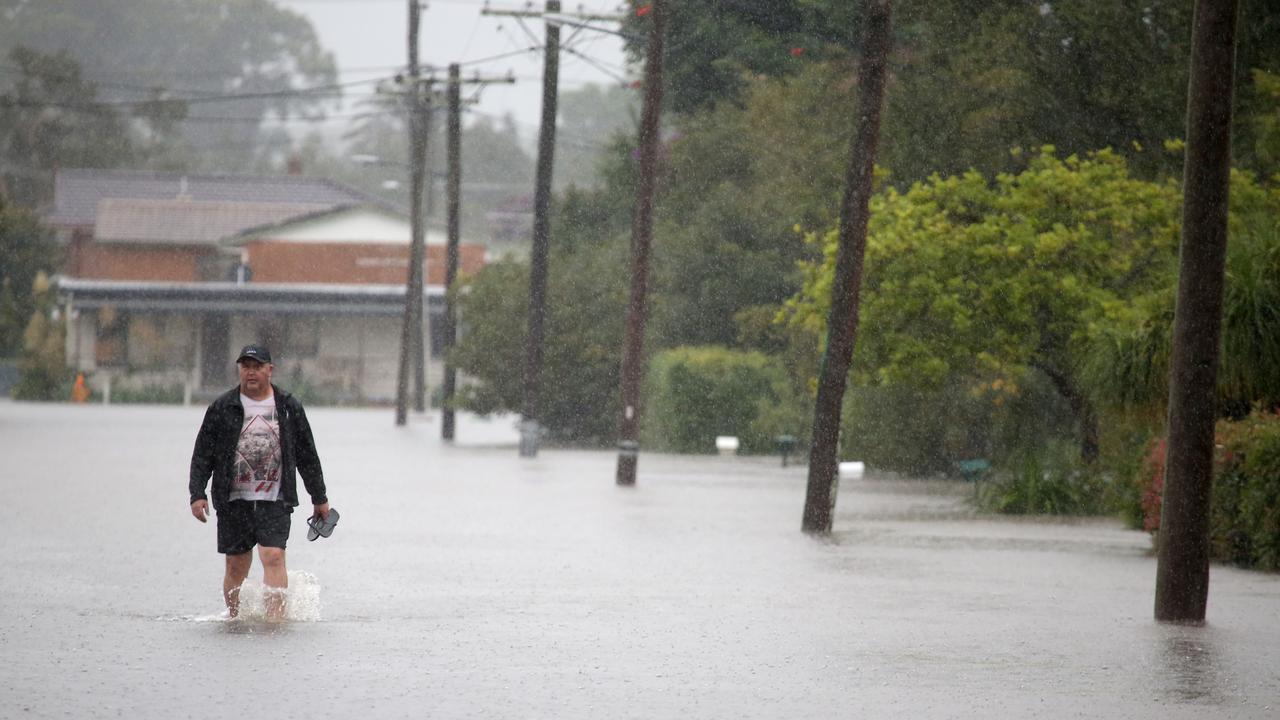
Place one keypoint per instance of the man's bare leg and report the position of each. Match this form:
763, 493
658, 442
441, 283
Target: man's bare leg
276, 579
237, 570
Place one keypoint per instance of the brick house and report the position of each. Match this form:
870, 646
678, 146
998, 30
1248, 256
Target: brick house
167, 275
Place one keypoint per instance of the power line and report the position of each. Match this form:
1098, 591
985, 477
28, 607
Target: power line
334, 89
597, 65
501, 56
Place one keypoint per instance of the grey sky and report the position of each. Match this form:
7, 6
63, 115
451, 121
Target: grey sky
369, 39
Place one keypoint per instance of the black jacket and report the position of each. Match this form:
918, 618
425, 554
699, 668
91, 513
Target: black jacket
215, 451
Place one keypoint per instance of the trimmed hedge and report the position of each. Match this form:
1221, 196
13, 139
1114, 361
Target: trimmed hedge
697, 393
1244, 525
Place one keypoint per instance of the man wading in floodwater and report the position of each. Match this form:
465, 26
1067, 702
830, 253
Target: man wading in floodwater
254, 441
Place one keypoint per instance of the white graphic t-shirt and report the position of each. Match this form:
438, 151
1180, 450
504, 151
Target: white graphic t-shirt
257, 473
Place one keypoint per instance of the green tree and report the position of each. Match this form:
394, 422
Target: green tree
969, 80
198, 50
737, 184
51, 118
590, 118
43, 372
969, 280
717, 45
27, 251
1128, 360
695, 394
586, 297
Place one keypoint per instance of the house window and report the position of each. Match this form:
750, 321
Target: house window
110, 348
156, 340
303, 339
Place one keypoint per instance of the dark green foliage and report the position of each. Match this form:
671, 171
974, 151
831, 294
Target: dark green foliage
579, 382
1047, 480
1127, 362
695, 394
714, 45
27, 248
922, 432
148, 395
43, 372
970, 81
150, 59
1245, 522
312, 393
51, 117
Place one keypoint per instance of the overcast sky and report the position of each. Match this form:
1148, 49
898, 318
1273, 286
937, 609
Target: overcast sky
369, 39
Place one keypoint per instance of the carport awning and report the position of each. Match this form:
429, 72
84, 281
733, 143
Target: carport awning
230, 297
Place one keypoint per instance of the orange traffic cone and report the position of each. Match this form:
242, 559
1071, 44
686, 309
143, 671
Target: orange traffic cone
79, 392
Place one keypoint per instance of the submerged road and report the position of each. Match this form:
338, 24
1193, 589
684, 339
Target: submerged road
465, 582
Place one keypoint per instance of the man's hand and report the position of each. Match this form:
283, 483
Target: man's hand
200, 510
322, 510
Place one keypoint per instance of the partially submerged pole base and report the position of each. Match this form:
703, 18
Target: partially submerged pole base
628, 451
529, 431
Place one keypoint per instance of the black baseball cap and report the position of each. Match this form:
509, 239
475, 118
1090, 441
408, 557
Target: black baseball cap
255, 352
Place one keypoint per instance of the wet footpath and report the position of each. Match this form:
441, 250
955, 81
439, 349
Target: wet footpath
466, 582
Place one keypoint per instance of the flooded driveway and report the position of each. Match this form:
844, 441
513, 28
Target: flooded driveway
465, 582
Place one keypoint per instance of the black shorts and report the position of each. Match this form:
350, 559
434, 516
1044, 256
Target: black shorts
246, 523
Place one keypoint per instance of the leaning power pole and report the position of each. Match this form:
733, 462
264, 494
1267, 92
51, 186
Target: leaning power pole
842, 322
529, 428
1182, 573
412, 326
453, 191
419, 336
641, 234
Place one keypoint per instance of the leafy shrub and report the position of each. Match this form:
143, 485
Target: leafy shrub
578, 386
921, 431
312, 393
1244, 520
1052, 480
148, 395
697, 393
43, 371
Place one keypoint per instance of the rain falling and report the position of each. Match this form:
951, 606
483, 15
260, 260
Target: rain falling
653, 358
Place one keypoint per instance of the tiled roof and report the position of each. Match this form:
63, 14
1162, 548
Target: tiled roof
188, 221
77, 193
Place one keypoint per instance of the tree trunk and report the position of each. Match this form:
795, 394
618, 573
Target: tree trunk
1182, 574
1081, 409
842, 323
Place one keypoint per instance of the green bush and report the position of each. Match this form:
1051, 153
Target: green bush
697, 393
922, 432
148, 395
43, 371
1051, 480
1244, 520
310, 392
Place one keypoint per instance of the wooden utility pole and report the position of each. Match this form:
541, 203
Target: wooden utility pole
842, 322
529, 428
1182, 573
452, 203
641, 235
419, 334
412, 326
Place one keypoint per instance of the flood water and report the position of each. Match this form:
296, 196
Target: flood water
465, 582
